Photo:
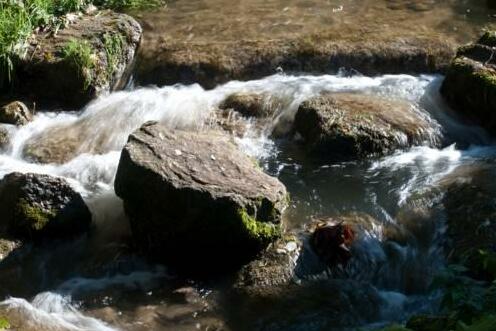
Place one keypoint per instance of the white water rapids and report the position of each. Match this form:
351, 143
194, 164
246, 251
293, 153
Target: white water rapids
107, 122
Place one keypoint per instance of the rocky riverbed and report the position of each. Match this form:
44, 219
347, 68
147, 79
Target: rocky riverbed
342, 182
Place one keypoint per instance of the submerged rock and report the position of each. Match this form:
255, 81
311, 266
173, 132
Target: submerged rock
251, 104
193, 199
15, 113
470, 83
61, 143
346, 125
319, 305
92, 55
35, 206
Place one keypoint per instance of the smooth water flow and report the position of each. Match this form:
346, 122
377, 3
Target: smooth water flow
97, 283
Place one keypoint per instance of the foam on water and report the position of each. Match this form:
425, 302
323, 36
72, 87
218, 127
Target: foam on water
51, 312
105, 124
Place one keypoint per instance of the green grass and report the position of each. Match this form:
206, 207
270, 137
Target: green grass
79, 54
19, 18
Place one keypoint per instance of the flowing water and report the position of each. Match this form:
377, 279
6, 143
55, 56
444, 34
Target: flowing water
97, 283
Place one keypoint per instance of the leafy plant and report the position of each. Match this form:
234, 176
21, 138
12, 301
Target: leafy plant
79, 54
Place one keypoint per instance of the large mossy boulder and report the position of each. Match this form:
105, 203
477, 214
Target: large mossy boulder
470, 83
195, 200
92, 55
347, 125
36, 206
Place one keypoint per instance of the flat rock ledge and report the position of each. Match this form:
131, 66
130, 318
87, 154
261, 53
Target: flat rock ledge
195, 201
48, 77
212, 64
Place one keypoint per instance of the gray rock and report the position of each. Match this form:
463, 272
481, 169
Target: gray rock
194, 199
15, 113
36, 206
346, 125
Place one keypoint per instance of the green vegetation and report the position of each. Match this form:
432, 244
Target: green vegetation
80, 55
113, 44
36, 217
4, 324
19, 18
259, 230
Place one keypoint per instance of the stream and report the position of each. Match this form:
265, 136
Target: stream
98, 283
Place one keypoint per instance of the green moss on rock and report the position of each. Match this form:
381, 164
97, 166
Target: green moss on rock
35, 216
261, 231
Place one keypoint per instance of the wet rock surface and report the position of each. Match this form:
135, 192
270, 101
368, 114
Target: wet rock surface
470, 83
195, 199
38, 206
251, 104
15, 113
345, 125
321, 305
61, 144
272, 269
49, 77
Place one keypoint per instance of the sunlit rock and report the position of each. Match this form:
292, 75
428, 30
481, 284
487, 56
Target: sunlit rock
16, 113
36, 206
345, 125
193, 199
